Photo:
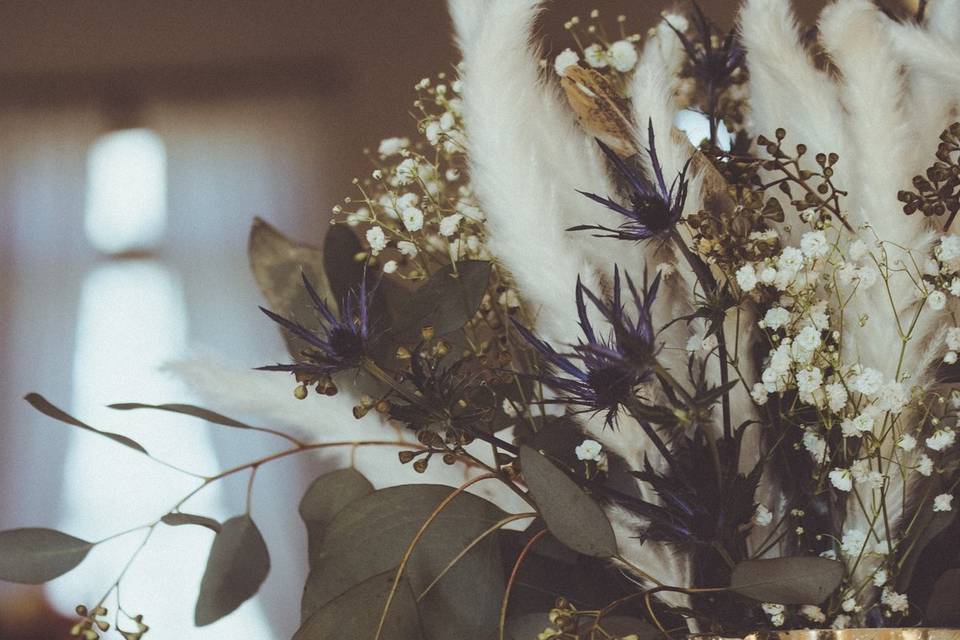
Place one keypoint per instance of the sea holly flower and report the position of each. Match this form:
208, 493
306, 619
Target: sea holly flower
600, 373
341, 342
654, 207
713, 60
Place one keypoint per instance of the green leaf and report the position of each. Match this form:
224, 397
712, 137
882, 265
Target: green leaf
943, 608
446, 302
237, 566
188, 410
571, 515
356, 613
344, 273
325, 497
372, 535
799, 580
44, 406
277, 264
33, 556
180, 519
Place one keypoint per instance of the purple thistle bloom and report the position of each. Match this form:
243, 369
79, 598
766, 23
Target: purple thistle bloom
600, 374
341, 342
712, 63
654, 208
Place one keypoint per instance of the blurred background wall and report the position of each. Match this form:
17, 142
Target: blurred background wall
241, 108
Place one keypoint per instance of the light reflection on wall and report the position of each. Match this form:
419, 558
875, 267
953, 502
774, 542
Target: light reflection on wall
132, 318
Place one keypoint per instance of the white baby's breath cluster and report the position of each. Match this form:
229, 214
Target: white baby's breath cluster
416, 208
613, 54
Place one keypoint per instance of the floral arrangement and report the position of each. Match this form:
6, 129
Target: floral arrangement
670, 294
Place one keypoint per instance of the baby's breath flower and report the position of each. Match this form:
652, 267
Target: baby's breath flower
813, 613
896, 602
813, 244
775, 318
407, 248
376, 239
589, 450
880, 577
746, 278
907, 442
941, 439
412, 218
567, 58
937, 300
925, 465
406, 172
622, 55
943, 502
595, 56
853, 542
392, 146
450, 224
842, 479
390, 266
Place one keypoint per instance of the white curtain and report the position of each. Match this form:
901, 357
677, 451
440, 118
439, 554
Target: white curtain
86, 330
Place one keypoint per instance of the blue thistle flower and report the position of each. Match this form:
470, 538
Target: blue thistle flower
342, 341
654, 207
600, 373
713, 62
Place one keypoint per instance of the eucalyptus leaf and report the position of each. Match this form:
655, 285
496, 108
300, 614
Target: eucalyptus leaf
35, 555
277, 264
943, 608
571, 515
798, 580
372, 535
356, 613
181, 519
237, 566
325, 497
44, 406
446, 302
188, 410
928, 527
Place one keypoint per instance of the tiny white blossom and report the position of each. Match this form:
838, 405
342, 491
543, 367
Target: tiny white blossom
622, 55
813, 613
813, 244
433, 131
925, 465
892, 397
808, 339
836, 396
953, 338
447, 121
595, 56
853, 427
896, 602
449, 224
376, 239
867, 381
776, 613
412, 218
880, 577
857, 250
937, 300
746, 278
762, 517
842, 479
567, 58
407, 248
809, 380
864, 476
853, 541
849, 605
768, 275
390, 266
790, 259
406, 171
775, 318
813, 443
392, 146
842, 621
955, 287
943, 502
589, 450
907, 442
941, 439
759, 394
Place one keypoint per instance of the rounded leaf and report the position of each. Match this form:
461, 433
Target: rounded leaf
237, 566
325, 497
571, 515
34, 555
801, 580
